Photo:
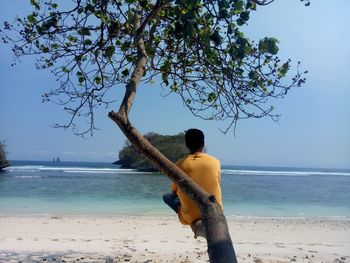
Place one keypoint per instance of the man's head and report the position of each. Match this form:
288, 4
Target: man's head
194, 140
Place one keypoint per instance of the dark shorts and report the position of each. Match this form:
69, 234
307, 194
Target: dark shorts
172, 201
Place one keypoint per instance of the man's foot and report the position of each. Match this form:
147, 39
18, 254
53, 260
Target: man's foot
197, 229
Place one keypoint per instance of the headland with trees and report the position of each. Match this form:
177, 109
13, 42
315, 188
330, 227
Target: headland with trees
172, 146
3, 159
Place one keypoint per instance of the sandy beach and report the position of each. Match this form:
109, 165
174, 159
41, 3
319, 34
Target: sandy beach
162, 239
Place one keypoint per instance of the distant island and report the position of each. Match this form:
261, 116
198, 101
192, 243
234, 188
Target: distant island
3, 160
172, 146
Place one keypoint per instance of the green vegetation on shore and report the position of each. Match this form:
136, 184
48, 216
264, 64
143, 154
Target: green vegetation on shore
3, 159
172, 146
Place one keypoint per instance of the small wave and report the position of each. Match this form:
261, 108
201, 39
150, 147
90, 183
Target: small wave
29, 176
27, 168
88, 170
41, 168
284, 173
123, 171
289, 217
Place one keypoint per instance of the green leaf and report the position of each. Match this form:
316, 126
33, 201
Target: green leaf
114, 28
250, 5
282, 71
130, 58
78, 57
98, 80
223, 9
244, 16
253, 7
84, 31
101, 15
230, 28
81, 79
240, 22
31, 19
238, 6
72, 38
165, 78
125, 72
216, 38
166, 66
211, 97
253, 75
269, 45
239, 71
125, 46
109, 51
55, 46
223, 13
35, 3
174, 88
144, 4
262, 86
190, 31
89, 8
45, 49
88, 42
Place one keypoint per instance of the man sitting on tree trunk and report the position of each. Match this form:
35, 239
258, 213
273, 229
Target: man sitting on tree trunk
205, 171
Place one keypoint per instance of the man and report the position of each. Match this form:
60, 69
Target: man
205, 171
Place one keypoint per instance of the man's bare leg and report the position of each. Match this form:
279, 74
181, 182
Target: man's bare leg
197, 229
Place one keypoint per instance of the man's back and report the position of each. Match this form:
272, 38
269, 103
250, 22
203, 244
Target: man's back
205, 171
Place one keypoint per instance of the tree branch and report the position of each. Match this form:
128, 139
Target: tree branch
262, 2
131, 87
150, 16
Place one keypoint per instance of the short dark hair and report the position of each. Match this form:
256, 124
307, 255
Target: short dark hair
194, 139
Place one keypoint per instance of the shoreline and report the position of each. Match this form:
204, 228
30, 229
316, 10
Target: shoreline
91, 238
170, 215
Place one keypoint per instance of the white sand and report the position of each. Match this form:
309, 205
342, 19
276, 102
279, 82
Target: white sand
163, 239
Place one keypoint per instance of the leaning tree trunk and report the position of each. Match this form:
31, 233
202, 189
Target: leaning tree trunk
220, 248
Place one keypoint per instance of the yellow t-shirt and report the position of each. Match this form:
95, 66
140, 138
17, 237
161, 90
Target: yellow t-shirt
205, 171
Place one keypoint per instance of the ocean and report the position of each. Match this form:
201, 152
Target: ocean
81, 188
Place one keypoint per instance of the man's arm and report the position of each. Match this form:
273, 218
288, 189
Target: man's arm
173, 186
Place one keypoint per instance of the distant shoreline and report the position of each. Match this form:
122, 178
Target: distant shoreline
170, 215
238, 166
124, 166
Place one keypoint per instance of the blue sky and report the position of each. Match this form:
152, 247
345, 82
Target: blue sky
314, 130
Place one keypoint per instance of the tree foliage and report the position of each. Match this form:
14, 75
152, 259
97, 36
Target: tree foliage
3, 159
172, 146
196, 49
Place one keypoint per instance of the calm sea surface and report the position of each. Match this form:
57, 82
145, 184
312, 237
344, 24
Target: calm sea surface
78, 188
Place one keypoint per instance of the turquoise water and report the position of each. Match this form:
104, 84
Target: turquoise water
103, 189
